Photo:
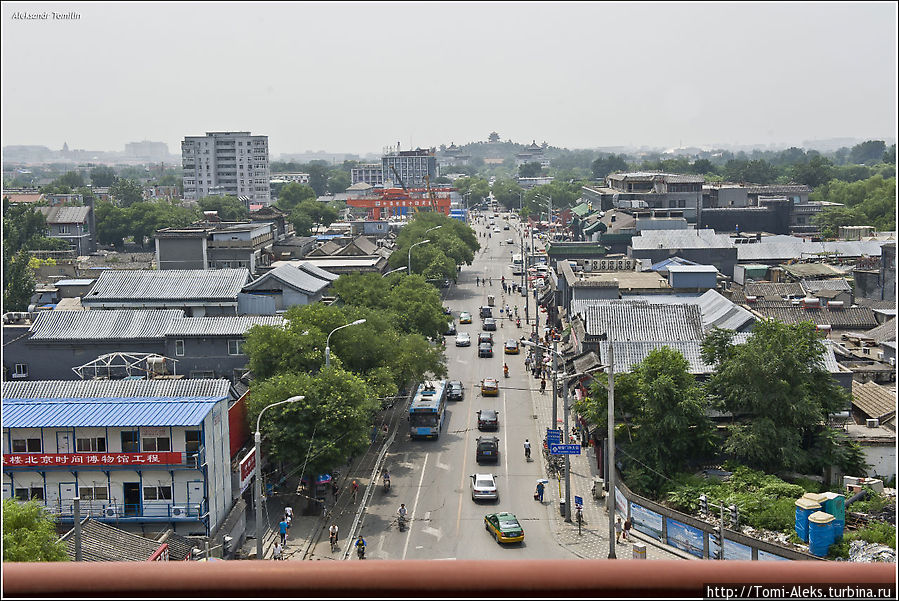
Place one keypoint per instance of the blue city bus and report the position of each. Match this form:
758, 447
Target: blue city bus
428, 409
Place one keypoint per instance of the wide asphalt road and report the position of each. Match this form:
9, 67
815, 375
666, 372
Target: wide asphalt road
432, 476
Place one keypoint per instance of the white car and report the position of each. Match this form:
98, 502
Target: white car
496, 230
463, 339
483, 487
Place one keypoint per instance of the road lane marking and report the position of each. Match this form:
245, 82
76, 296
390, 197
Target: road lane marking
415, 505
462, 474
442, 466
506, 445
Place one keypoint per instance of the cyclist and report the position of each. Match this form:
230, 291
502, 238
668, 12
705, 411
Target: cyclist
360, 546
401, 512
333, 534
386, 477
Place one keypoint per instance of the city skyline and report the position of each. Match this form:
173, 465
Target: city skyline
575, 75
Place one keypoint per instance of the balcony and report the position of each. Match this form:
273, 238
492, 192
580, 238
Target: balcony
110, 511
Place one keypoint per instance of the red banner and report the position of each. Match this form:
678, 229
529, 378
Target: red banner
98, 459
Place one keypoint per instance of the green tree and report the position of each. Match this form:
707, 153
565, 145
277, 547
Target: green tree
321, 213
126, 192
817, 171
338, 181
292, 195
18, 281
780, 394
530, 170
323, 430
889, 155
103, 176
229, 207
507, 192
112, 224
145, 218
318, 177
29, 533
605, 165
702, 167
867, 202
867, 153
302, 222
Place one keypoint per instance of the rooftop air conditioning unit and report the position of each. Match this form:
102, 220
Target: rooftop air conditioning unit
179, 512
110, 511
872, 423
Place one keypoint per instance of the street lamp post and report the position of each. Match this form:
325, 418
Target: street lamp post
610, 501
393, 271
257, 439
409, 264
328, 342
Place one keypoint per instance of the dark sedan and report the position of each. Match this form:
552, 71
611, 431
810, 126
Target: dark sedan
456, 391
485, 349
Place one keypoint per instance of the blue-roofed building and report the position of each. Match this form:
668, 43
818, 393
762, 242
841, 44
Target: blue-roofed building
136, 452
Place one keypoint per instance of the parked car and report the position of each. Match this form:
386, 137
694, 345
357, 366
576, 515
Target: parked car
485, 337
488, 419
490, 387
464, 317
511, 347
489, 323
485, 349
463, 339
456, 391
483, 487
487, 449
504, 527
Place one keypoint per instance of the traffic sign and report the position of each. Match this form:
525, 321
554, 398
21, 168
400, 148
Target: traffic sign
565, 449
578, 500
553, 436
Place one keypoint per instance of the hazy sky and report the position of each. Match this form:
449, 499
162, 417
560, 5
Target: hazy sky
355, 77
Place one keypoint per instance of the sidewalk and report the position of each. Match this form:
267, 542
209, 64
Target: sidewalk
308, 534
593, 542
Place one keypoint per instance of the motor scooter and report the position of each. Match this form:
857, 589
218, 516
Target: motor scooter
360, 551
401, 522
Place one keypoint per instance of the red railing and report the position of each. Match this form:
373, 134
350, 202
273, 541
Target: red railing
485, 579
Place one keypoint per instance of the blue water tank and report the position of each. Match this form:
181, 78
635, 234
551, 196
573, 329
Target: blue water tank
804, 508
820, 533
835, 505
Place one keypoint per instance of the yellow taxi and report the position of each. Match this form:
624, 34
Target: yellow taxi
504, 527
511, 347
490, 387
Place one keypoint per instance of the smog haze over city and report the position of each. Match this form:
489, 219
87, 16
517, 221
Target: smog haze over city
356, 77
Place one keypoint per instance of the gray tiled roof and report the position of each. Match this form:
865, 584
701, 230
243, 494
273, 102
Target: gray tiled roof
812, 286
765, 289
113, 324
848, 318
645, 322
220, 326
885, 332
317, 271
102, 542
65, 214
784, 248
168, 285
104, 389
292, 277
875, 400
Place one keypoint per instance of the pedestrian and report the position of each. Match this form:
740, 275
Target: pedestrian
282, 529
543, 386
288, 511
288, 519
334, 488
477, 281
276, 551
626, 528
617, 529
540, 489
355, 490
385, 430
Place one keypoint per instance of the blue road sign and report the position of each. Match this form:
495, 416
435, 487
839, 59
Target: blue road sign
578, 500
553, 436
565, 449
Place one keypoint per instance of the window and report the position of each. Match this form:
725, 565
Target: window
130, 442
90, 445
157, 493
93, 493
21, 370
156, 443
179, 348
63, 229
192, 441
235, 347
26, 445
26, 494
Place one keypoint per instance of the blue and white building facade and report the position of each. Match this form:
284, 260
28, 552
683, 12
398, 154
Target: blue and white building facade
135, 452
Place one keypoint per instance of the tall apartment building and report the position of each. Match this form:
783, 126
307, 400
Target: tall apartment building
412, 166
369, 173
226, 164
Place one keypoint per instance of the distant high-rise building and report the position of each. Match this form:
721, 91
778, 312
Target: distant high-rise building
226, 164
151, 151
411, 165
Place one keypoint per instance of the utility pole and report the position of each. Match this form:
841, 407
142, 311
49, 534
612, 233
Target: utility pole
567, 456
555, 384
610, 497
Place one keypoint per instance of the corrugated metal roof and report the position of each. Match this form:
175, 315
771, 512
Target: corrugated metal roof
292, 277
719, 312
832, 284
65, 214
775, 248
692, 269
220, 326
66, 389
165, 285
106, 412
645, 322
849, 317
781, 289
680, 239
113, 324
102, 542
